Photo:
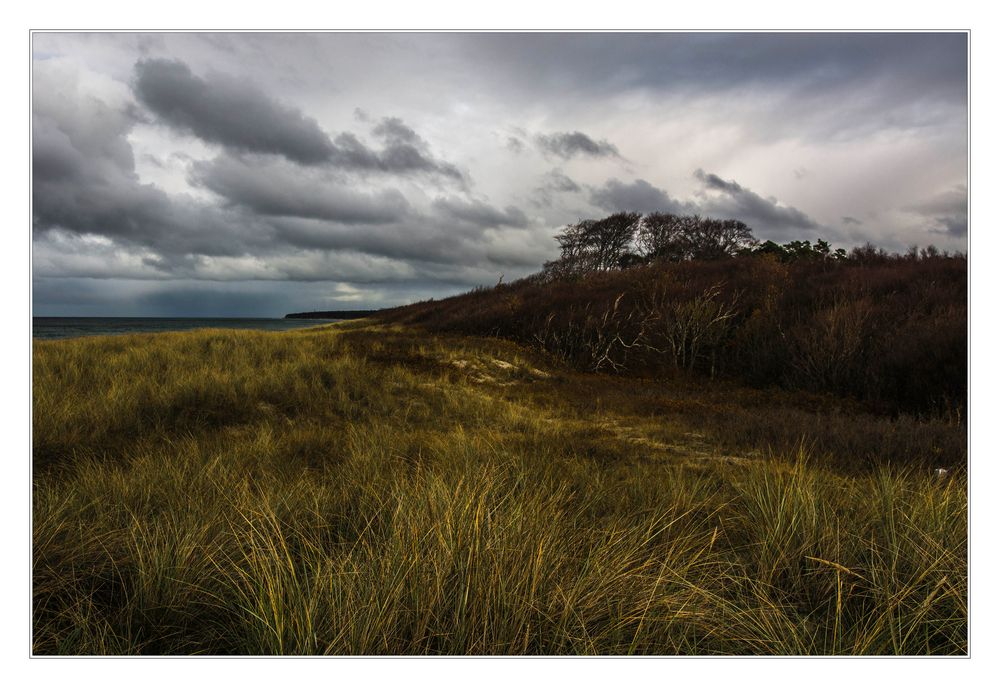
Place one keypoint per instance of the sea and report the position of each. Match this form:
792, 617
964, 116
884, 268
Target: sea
64, 328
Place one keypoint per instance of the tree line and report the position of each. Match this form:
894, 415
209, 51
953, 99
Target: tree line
627, 239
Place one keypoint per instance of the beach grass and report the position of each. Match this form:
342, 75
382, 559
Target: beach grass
365, 489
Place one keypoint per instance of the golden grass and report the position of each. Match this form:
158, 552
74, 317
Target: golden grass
360, 489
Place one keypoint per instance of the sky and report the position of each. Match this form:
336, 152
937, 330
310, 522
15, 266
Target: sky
256, 174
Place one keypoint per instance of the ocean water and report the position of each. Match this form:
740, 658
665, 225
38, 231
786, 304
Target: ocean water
62, 328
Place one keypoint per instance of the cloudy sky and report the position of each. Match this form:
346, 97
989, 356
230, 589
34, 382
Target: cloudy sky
257, 174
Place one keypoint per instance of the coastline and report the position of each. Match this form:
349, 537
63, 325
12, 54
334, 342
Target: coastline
332, 315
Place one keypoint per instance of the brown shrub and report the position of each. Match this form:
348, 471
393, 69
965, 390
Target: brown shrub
889, 330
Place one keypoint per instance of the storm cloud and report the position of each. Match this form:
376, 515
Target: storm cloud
766, 216
237, 115
725, 200
231, 112
480, 214
268, 188
84, 181
875, 78
946, 212
568, 145
403, 153
637, 196
553, 183
556, 180
174, 173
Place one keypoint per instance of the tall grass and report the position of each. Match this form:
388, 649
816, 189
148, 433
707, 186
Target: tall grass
363, 490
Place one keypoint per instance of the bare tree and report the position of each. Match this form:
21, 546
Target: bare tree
688, 331
594, 245
599, 336
831, 351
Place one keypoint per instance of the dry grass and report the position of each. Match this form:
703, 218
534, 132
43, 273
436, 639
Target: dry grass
373, 490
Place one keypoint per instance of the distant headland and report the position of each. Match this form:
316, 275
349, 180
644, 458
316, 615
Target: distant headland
332, 315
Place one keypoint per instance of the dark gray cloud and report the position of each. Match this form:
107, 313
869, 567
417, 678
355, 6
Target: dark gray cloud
402, 158
398, 156
478, 213
714, 181
393, 130
639, 196
455, 236
404, 151
553, 182
93, 217
568, 145
352, 154
423, 245
556, 180
879, 78
269, 188
230, 112
945, 213
765, 216
956, 226
237, 115
306, 185
727, 199
84, 180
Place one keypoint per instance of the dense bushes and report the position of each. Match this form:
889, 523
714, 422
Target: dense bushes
887, 329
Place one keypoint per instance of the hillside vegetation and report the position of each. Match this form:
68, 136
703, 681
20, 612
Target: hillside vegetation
703, 298
374, 489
